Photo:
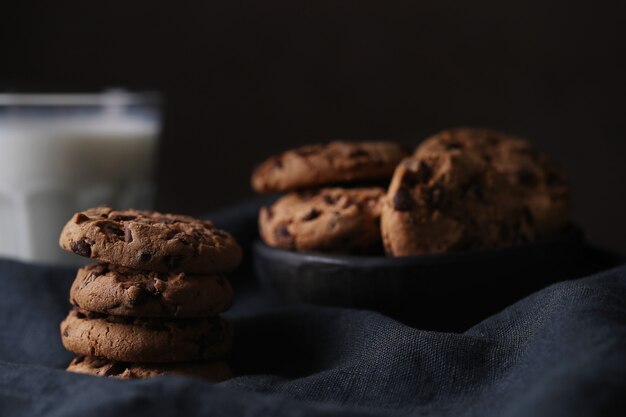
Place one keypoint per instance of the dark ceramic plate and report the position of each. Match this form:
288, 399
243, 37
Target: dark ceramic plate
445, 292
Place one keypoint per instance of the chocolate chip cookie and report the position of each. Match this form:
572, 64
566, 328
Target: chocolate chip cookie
332, 163
151, 241
329, 219
130, 339
472, 188
122, 291
210, 370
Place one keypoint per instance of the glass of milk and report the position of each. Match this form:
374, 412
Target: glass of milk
61, 153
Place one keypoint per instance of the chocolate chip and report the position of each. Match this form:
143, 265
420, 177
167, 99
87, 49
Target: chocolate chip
453, 145
80, 218
358, 153
98, 362
421, 176
145, 256
527, 177
278, 163
282, 234
116, 368
435, 196
81, 248
65, 333
172, 261
122, 217
110, 228
78, 359
200, 236
330, 199
402, 200
128, 235
269, 212
282, 231
82, 313
312, 214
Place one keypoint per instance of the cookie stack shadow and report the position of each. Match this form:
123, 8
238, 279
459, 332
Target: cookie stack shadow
151, 305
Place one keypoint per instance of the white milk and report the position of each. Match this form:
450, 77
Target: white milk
54, 163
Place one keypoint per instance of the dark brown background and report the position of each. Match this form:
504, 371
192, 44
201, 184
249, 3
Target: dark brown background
244, 79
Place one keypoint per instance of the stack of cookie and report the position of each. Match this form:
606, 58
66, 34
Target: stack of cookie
462, 189
340, 218
151, 305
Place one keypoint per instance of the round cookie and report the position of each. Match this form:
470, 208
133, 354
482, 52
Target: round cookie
121, 291
332, 163
471, 188
212, 370
537, 180
151, 241
329, 219
129, 339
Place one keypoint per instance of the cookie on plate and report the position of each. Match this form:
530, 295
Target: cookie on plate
332, 163
540, 183
471, 188
122, 291
329, 219
210, 370
151, 241
129, 339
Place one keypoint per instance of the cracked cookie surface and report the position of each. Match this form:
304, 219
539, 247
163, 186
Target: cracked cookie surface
210, 370
472, 188
332, 163
131, 339
330, 219
151, 241
122, 291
